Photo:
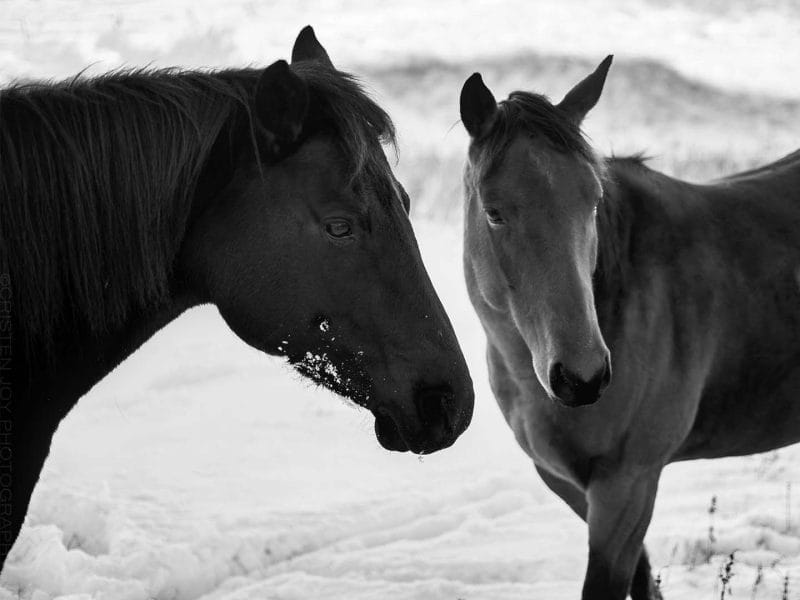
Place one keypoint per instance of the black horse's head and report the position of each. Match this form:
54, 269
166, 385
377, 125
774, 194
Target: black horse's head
309, 253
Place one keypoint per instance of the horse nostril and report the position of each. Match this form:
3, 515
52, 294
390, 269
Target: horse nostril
562, 383
436, 407
605, 375
573, 390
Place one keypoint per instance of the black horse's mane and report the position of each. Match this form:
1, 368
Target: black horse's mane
98, 175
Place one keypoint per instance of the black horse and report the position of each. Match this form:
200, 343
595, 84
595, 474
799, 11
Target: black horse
576, 263
128, 198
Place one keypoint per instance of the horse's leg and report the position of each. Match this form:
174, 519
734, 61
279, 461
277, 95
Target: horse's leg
643, 586
620, 508
31, 434
568, 492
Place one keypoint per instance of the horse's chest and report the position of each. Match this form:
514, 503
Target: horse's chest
562, 440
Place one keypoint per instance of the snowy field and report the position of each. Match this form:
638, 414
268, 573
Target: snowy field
203, 470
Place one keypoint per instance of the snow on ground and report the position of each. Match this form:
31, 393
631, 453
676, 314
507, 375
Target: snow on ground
203, 470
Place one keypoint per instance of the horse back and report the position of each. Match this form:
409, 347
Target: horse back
750, 401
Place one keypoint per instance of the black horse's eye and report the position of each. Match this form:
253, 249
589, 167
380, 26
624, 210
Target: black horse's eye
338, 228
494, 216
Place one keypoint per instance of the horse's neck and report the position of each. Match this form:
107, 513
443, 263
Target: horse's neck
79, 360
88, 242
633, 207
615, 222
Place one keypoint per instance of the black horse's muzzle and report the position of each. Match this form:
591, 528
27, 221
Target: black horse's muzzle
438, 418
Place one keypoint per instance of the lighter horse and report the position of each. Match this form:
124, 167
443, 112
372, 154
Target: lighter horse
577, 264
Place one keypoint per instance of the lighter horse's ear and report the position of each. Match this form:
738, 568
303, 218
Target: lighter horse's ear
582, 98
281, 104
478, 107
307, 47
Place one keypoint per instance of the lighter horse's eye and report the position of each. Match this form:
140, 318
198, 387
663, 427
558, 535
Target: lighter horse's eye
494, 216
338, 228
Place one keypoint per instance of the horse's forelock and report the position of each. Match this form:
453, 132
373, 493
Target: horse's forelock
531, 114
342, 106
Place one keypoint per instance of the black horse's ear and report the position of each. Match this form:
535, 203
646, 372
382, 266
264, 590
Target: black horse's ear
307, 47
582, 98
281, 104
478, 107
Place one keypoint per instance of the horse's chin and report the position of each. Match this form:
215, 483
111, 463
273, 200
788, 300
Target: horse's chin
340, 374
388, 434
346, 376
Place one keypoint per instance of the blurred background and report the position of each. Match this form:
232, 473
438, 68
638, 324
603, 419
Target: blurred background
201, 469
705, 87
